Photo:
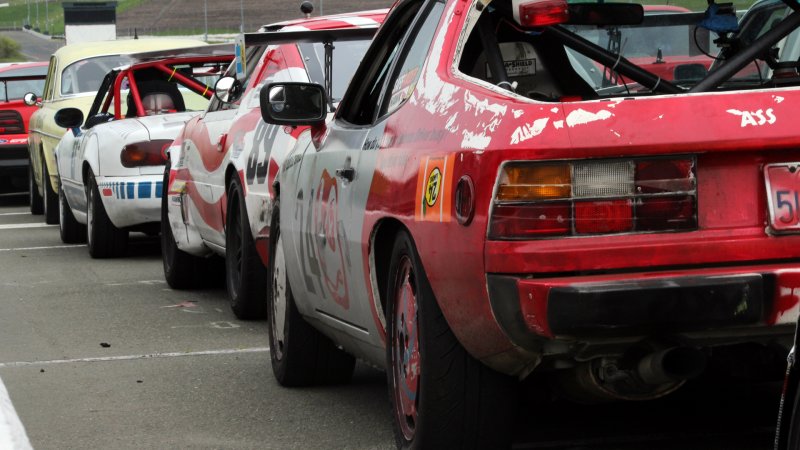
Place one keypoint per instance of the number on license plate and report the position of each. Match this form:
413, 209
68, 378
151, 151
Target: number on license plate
783, 188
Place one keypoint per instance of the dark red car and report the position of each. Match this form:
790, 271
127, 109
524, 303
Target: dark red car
16, 80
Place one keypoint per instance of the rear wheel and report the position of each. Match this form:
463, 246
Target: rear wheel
245, 274
34, 199
105, 240
181, 270
71, 231
441, 396
50, 199
300, 355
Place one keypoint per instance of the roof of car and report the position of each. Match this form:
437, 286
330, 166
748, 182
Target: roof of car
23, 65
371, 18
76, 52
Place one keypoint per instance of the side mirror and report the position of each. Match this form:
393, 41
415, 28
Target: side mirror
31, 99
228, 89
69, 118
293, 104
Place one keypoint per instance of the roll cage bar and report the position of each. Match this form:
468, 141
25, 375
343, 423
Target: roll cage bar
112, 82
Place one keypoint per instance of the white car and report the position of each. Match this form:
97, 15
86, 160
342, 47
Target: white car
111, 166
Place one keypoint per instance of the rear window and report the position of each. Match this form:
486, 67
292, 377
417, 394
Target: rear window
16, 89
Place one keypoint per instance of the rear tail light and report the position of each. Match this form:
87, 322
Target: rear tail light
540, 13
148, 153
594, 197
11, 123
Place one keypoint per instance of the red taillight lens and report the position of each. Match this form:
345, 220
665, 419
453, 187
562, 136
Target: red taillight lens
666, 213
148, 153
540, 13
592, 217
659, 176
594, 197
516, 222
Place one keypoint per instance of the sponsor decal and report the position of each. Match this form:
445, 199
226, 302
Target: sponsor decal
755, 118
432, 201
329, 243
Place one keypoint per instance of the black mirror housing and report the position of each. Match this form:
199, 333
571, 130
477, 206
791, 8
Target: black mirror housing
69, 118
293, 104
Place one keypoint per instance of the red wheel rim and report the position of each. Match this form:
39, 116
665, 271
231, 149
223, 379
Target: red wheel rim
405, 350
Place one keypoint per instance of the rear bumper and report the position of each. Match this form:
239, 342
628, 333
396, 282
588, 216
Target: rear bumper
131, 201
14, 159
602, 307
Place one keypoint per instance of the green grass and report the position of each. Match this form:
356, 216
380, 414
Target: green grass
51, 14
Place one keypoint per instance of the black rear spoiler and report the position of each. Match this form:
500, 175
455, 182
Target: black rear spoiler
309, 36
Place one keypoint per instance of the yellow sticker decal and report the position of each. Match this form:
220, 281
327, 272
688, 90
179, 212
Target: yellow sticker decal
434, 180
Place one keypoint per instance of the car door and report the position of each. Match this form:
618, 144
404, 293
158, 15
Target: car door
335, 180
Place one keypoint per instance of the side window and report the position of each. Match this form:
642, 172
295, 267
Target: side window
50, 82
363, 96
253, 55
405, 79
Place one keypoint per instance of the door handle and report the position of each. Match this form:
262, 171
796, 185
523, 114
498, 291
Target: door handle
348, 173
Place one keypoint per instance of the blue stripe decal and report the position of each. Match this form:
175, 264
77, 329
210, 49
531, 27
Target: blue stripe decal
144, 190
130, 187
159, 188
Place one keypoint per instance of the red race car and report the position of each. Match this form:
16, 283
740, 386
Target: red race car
473, 215
16, 80
224, 162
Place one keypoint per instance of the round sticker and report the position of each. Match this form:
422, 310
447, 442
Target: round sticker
432, 190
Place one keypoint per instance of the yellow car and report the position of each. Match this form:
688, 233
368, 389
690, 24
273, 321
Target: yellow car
73, 77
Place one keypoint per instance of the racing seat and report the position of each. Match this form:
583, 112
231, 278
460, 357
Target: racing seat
158, 97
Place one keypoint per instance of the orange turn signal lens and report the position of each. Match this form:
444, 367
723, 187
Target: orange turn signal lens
523, 182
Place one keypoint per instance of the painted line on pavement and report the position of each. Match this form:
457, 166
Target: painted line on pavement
15, 214
233, 351
19, 249
12, 433
19, 226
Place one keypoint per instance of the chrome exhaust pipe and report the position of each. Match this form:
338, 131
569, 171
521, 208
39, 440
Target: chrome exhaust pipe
671, 365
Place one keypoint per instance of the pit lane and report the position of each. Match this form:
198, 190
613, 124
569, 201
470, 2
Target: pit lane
102, 354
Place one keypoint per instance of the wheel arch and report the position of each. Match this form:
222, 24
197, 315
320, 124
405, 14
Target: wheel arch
380, 255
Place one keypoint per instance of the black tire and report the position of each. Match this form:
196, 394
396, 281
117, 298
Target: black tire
181, 270
245, 274
50, 198
71, 231
453, 400
105, 240
300, 355
34, 198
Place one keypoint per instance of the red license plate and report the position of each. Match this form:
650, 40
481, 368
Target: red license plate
783, 190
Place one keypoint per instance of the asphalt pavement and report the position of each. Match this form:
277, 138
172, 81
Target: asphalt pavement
103, 354
35, 47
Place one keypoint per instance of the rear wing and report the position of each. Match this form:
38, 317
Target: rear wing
326, 37
176, 53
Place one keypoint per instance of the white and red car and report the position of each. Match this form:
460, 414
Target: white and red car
224, 162
476, 212
111, 165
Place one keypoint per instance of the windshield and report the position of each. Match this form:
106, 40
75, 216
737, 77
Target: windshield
346, 57
87, 74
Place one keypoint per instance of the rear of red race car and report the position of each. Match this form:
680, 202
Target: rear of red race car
628, 242
16, 80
